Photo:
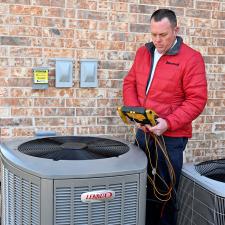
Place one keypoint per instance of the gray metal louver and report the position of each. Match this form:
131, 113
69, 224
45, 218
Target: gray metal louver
22, 199
122, 210
46, 191
201, 199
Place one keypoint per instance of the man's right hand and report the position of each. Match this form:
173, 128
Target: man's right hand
142, 127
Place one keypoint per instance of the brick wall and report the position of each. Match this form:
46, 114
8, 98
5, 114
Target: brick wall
32, 32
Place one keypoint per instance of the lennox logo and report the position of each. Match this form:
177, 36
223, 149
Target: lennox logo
97, 196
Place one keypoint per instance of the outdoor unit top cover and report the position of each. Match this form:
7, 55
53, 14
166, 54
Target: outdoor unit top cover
43, 180
201, 194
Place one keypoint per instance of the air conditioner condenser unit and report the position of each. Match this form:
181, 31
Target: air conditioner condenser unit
72, 180
201, 194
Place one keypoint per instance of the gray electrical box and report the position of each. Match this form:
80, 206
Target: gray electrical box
88, 73
64, 72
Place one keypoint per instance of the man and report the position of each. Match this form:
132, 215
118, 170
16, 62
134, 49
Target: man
168, 77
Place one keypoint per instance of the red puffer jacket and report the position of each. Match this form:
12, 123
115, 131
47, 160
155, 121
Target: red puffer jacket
178, 92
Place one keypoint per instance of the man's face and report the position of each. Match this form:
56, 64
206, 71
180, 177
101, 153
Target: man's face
163, 34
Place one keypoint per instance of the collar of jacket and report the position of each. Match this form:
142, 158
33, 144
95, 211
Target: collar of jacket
172, 51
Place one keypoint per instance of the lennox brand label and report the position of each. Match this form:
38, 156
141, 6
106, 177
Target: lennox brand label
97, 196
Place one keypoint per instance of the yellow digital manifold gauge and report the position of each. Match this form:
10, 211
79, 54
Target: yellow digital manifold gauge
137, 114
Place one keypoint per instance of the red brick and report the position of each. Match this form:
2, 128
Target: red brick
59, 112
105, 6
42, 2
198, 13
49, 22
5, 132
87, 4
210, 59
85, 24
23, 51
18, 102
4, 52
113, 112
22, 2
140, 28
90, 35
20, 20
90, 130
221, 42
111, 129
101, 25
144, 19
219, 127
23, 132
49, 102
90, 93
4, 72
24, 31
69, 13
91, 15
202, 41
58, 3
83, 121
7, 40
90, 111
218, 15
218, 33
120, 6
25, 10
113, 93
4, 30
118, 26
220, 136
31, 112
58, 53
221, 60
199, 32
123, 17
108, 120
183, 3
4, 92
218, 143
222, 24
220, 110
207, 5
49, 121
154, 2
108, 102
112, 65
5, 122
53, 12
216, 50
145, 9
106, 45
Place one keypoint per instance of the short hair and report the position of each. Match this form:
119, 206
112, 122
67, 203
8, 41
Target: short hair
159, 14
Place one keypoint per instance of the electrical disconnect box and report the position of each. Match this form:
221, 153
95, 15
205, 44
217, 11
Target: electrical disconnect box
88, 73
64, 72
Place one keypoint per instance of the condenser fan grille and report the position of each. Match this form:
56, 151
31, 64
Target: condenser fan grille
213, 169
73, 148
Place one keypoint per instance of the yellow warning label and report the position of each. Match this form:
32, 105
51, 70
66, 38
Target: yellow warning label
40, 76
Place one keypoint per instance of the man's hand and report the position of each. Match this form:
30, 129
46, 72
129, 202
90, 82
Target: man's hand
142, 127
158, 129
